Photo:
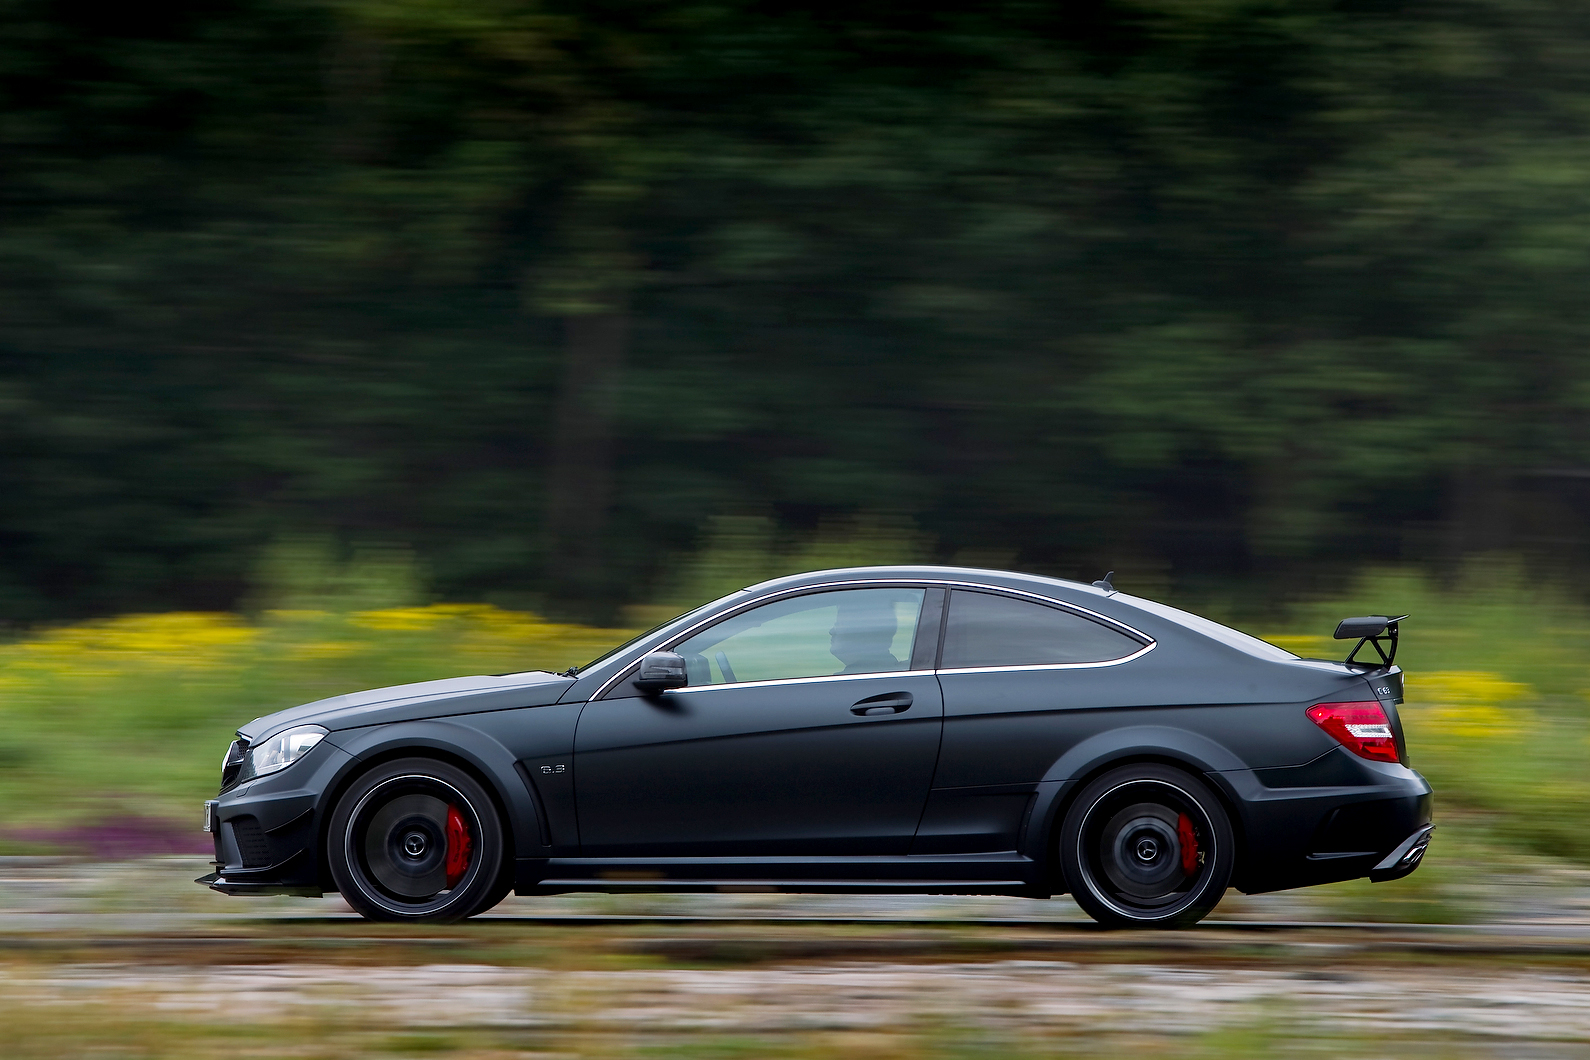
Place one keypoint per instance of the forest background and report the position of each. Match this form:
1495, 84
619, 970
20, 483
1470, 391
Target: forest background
529, 319
1212, 292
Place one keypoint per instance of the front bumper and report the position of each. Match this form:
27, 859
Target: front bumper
217, 882
267, 832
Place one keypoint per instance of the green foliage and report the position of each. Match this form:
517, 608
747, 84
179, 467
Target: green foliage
1222, 288
1498, 695
743, 550
1497, 712
141, 707
306, 574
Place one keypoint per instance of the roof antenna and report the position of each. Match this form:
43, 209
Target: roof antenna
1104, 583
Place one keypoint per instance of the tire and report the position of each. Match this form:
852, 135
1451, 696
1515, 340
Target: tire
418, 840
1147, 846
498, 892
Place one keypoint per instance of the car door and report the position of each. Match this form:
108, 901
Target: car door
810, 725
1023, 681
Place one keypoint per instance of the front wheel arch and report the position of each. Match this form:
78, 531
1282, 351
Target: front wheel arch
420, 800
360, 767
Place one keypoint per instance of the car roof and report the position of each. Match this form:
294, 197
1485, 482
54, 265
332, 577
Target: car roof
930, 572
1150, 617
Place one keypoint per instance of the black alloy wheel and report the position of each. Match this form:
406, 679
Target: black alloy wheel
417, 839
1147, 845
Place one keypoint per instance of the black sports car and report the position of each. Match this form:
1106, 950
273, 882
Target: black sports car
884, 729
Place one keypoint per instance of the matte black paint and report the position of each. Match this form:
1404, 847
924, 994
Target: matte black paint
779, 768
784, 784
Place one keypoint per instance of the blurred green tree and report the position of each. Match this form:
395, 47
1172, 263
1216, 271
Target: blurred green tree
1225, 288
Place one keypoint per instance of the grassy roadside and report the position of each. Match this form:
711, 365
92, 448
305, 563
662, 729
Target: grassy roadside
1498, 697
128, 717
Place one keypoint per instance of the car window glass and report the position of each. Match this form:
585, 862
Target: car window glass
845, 631
990, 630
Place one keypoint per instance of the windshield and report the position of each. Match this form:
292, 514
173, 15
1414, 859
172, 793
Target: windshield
631, 642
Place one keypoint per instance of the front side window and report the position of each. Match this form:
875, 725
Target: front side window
990, 630
844, 631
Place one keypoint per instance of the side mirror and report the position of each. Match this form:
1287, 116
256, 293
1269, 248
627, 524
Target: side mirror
661, 670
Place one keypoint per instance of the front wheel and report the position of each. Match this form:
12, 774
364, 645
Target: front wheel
418, 840
1147, 846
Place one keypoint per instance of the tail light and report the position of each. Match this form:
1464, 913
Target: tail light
1362, 728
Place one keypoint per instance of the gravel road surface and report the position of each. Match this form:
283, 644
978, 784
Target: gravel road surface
139, 939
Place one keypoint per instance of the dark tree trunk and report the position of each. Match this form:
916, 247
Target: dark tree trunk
580, 480
1479, 514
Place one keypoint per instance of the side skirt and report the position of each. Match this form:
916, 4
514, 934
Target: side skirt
1001, 873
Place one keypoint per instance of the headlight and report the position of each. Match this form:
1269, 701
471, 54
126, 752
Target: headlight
281, 751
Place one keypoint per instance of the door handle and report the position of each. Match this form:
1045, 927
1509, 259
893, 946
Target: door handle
888, 703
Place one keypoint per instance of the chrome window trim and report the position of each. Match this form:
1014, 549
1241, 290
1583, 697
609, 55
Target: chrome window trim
883, 583
798, 680
1138, 654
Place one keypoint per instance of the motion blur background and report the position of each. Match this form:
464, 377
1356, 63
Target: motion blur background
349, 342
352, 342
1217, 293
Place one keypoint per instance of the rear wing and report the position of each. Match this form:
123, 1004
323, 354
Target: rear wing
1377, 631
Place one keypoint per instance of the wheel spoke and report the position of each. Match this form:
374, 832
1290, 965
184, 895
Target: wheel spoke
406, 846
417, 840
1144, 849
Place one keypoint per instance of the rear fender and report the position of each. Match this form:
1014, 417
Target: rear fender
489, 760
1196, 753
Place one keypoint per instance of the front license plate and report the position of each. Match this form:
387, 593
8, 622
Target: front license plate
209, 815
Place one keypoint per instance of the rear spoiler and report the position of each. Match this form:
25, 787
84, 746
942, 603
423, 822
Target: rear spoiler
1377, 631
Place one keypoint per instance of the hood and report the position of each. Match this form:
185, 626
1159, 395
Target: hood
423, 699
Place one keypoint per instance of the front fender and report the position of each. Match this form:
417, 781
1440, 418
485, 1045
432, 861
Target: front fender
493, 762
1196, 752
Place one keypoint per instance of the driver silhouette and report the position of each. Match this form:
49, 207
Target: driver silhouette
861, 635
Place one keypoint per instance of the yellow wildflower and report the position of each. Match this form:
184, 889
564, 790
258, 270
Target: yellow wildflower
1468, 704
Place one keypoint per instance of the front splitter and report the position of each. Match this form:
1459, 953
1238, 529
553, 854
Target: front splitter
217, 882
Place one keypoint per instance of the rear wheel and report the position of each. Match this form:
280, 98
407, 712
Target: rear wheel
417, 839
1147, 845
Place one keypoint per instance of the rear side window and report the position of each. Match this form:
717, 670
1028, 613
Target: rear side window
989, 630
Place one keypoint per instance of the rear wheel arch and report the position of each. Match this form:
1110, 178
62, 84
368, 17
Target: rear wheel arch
1116, 843
1053, 817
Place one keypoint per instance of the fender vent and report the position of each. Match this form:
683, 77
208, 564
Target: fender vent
251, 842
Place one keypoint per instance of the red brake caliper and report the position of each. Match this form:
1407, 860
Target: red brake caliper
1184, 835
460, 846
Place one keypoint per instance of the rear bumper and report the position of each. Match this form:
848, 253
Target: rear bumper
1301, 836
1404, 859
